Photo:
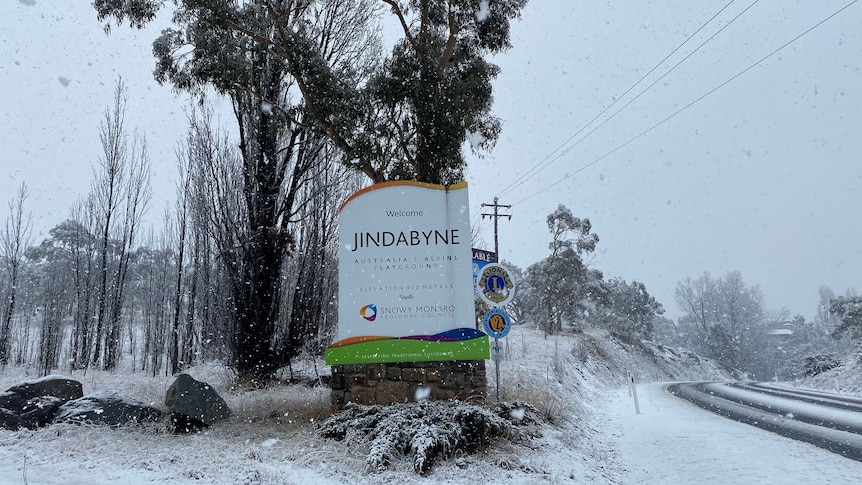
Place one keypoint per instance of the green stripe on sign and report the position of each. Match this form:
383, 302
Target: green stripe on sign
408, 350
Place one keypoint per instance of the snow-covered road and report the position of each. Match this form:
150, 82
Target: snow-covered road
673, 442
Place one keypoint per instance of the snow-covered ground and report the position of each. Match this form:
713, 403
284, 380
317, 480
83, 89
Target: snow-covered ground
578, 380
672, 441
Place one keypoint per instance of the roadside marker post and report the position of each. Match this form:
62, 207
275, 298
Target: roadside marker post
633, 392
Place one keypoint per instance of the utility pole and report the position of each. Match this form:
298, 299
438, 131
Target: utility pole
496, 215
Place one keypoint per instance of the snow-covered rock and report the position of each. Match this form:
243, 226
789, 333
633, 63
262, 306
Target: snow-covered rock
194, 404
108, 408
33, 404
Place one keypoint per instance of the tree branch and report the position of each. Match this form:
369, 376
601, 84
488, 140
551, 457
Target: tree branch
454, 30
396, 9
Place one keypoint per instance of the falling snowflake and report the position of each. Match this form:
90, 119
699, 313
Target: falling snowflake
484, 11
423, 393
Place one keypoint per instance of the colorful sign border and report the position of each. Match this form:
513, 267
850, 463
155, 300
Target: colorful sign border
366, 299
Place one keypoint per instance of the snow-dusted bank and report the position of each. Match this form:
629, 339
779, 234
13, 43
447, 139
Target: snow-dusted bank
578, 381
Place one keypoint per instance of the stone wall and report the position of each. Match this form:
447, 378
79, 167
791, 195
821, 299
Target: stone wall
399, 382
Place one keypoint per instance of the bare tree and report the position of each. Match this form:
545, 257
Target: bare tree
14, 240
696, 298
181, 221
312, 274
726, 319
76, 237
50, 336
157, 308
121, 190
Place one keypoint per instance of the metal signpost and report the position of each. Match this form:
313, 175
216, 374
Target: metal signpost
496, 288
497, 325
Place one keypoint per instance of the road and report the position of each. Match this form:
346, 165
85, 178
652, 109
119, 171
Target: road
829, 421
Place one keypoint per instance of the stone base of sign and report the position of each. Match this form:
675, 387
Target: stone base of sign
389, 383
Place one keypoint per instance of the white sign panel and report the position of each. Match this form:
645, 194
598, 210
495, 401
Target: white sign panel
405, 266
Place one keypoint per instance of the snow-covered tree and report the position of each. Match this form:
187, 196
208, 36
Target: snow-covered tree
726, 319
405, 115
630, 310
302, 71
848, 310
118, 199
562, 288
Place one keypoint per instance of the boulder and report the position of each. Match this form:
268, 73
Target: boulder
40, 411
10, 420
108, 408
194, 404
33, 404
54, 385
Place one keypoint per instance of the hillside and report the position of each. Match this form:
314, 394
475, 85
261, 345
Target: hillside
273, 437
844, 379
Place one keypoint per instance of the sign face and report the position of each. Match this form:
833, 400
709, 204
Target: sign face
405, 290
480, 259
496, 351
497, 323
495, 285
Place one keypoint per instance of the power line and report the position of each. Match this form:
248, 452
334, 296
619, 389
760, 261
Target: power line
708, 93
541, 165
652, 84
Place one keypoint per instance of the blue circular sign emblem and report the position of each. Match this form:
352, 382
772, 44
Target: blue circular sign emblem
497, 323
495, 285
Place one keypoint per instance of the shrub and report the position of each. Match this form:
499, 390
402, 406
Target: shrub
425, 430
819, 364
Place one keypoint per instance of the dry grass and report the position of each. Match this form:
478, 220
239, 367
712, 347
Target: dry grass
294, 404
549, 403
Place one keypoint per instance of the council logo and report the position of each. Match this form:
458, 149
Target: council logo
368, 312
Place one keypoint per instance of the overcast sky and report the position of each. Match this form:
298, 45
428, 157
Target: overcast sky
762, 176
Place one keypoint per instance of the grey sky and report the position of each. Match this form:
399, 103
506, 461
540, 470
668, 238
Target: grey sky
762, 176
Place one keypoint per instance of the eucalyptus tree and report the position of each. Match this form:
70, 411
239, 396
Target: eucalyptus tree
411, 113
826, 322
563, 286
630, 311
848, 311
70, 249
299, 70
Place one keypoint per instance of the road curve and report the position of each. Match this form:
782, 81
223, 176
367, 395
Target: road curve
829, 421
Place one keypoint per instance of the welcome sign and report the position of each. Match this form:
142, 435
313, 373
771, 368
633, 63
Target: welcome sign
405, 291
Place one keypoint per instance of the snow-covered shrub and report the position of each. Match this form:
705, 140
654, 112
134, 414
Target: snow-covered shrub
425, 430
819, 364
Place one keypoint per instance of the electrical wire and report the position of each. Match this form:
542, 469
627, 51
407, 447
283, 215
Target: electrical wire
652, 84
689, 105
541, 165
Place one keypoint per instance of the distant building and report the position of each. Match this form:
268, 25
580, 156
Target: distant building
784, 329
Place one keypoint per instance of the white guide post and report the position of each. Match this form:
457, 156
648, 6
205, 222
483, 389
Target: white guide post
633, 392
